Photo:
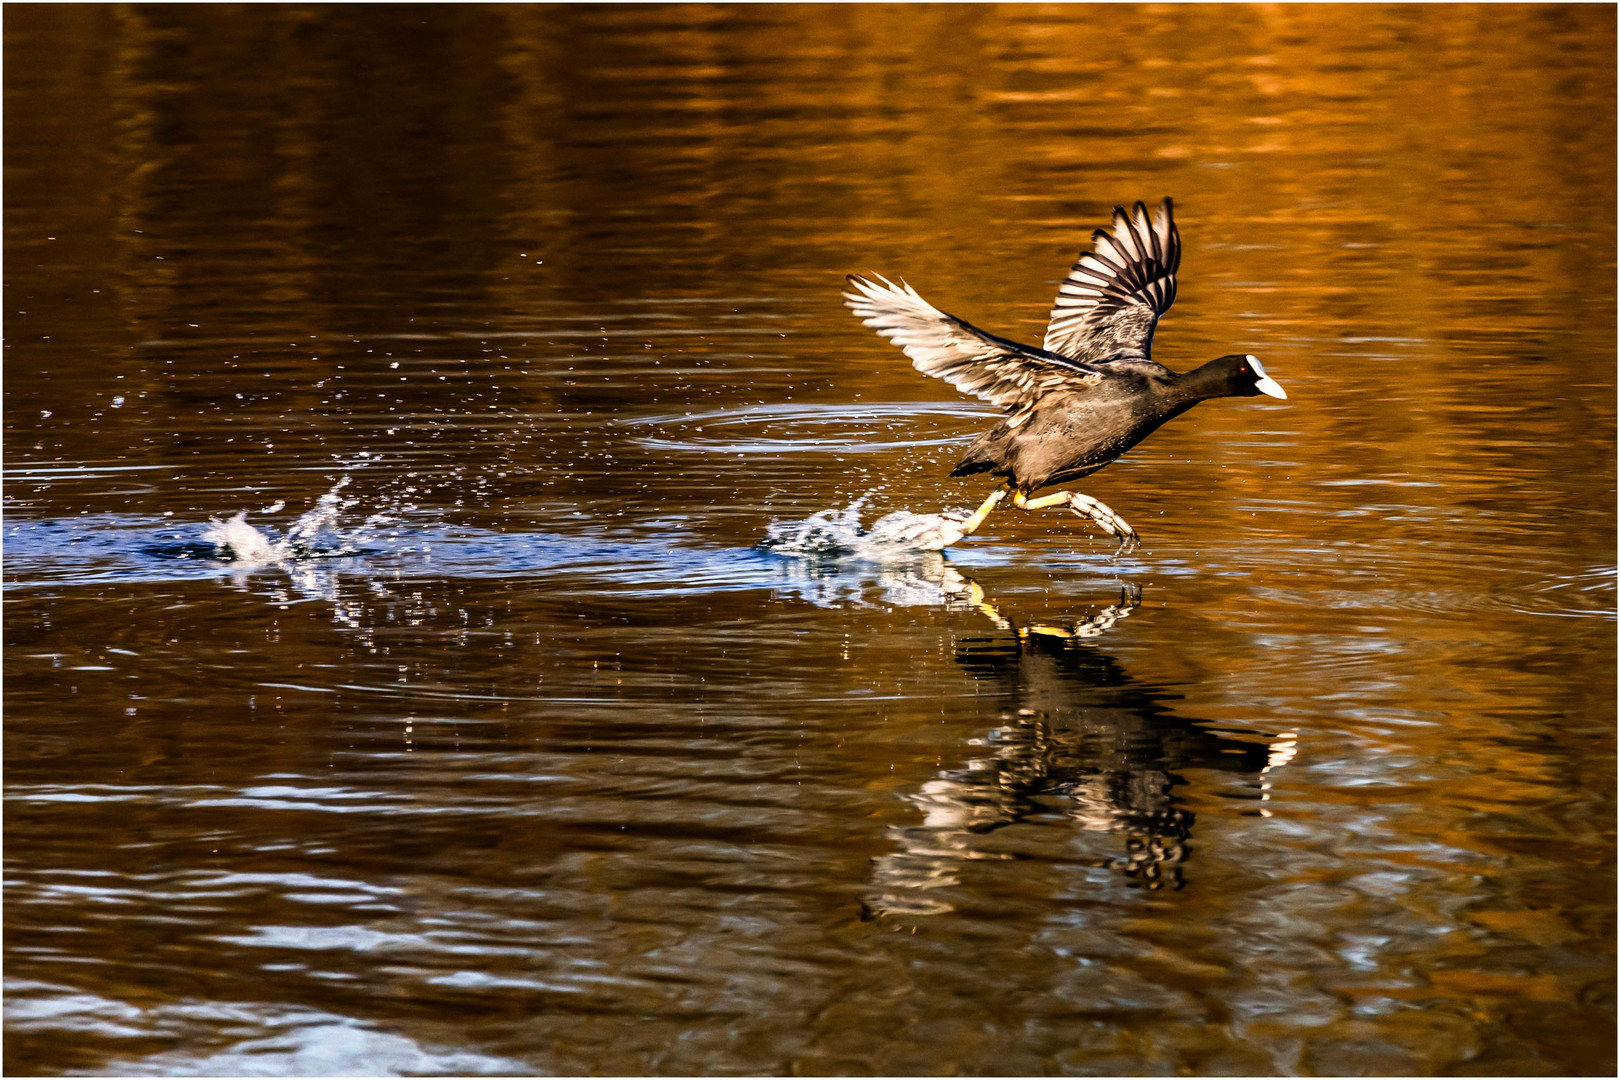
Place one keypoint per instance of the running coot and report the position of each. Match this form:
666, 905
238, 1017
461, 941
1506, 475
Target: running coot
1089, 394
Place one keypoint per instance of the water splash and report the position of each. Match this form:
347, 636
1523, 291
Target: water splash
239, 542
838, 534
318, 533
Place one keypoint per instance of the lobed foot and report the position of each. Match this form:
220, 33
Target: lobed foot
1105, 517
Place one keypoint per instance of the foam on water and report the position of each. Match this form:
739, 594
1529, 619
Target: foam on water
838, 534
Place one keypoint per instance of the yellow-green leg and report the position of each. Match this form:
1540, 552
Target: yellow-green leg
971, 525
948, 528
1085, 506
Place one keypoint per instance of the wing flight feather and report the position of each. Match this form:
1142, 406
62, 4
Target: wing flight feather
1107, 308
1002, 372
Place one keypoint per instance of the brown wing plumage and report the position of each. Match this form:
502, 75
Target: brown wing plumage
999, 371
1108, 306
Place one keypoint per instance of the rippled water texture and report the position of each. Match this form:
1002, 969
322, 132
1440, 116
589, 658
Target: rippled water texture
453, 617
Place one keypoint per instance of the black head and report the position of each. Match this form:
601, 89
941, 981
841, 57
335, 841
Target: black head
1245, 377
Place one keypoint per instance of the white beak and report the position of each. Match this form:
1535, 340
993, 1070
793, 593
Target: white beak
1266, 384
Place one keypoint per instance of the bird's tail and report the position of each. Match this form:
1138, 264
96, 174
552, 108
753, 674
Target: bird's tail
980, 456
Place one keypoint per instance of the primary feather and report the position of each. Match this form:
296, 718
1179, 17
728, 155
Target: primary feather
1107, 307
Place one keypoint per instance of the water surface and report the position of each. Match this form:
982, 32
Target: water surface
492, 739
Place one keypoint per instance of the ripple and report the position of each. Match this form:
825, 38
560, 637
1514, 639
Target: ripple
777, 428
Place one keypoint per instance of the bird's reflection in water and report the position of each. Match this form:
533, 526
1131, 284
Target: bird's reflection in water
1081, 738
922, 579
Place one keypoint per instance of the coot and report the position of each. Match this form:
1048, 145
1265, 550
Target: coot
1090, 393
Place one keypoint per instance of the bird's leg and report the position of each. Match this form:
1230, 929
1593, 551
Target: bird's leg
1085, 506
971, 525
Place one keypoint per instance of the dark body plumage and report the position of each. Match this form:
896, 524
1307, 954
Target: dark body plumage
1092, 391
1069, 434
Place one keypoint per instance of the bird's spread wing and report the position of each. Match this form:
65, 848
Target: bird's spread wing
999, 371
1107, 307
